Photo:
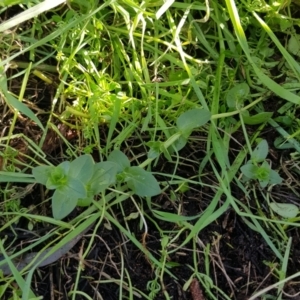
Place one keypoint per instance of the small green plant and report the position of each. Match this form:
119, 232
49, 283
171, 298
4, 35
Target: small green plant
235, 99
185, 124
77, 182
259, 169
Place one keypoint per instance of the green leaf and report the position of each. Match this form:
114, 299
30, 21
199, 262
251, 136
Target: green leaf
221, 150
192, 119
249, 170
155, 149
104, 175
180, 143
275, 178
263, 183
141, 182
285, 23
171, 140
260, 152
263, 172
82, 168
58, 177
282, 144
42, 173
285, 210
132, 216
183, 187
176, 75
16, 104
285, 120
176, 141
65, 165
75, 188
174, 218
16, 177
237, 95
83, 202
65, 198
256, 119
22, 108
120, 159
294, 44
62, 204
167, 152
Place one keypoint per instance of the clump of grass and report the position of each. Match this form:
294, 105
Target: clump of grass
146, 79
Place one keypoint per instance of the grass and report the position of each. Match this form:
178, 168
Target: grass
90, 78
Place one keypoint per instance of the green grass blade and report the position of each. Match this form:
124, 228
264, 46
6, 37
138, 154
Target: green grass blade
30, 13
17, 276
268, 82
16, 177
55, 34
290, 60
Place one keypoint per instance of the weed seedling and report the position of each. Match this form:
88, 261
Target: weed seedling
77, 182
185, 124
259, 169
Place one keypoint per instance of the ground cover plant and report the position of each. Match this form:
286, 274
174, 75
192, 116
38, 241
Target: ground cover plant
149, 150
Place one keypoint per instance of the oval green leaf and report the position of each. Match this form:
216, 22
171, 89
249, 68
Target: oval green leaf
120, 159
294, 44
260, 152
104, 175
192, 119
250, 171
74, 188
275, 177
42, 173
285, 210
62, 204
82, 168
85, 202
283, 144
142, 182
180, 143
237, 95
257, 119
